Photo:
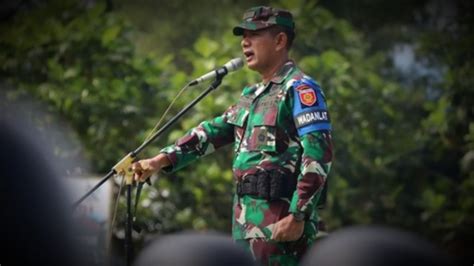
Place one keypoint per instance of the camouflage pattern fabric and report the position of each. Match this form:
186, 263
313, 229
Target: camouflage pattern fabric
283, 125
276, 253
261, 17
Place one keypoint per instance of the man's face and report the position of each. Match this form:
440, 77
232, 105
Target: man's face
259, 49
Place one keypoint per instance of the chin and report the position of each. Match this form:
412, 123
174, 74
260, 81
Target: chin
252, 65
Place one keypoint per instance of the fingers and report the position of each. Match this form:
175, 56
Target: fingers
276, 234
281, 237
282, 233
145, 164
141, 170
142, 165
141, 176
275, 237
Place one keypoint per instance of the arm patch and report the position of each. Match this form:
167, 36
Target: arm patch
309, 107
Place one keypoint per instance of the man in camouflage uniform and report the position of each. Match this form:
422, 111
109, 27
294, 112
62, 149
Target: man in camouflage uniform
282, 141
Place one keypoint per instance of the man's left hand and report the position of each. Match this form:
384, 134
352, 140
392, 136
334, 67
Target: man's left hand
288, 229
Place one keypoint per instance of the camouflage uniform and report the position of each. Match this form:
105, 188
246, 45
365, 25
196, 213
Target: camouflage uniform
282, 126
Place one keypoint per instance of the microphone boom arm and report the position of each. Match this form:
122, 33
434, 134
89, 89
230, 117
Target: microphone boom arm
124, 165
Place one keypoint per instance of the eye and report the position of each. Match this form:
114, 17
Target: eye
255, 33
248, 34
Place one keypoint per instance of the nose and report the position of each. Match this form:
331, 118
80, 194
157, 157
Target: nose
245, 42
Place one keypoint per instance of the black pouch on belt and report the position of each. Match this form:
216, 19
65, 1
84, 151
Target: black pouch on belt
277, 185
263, 185
270, 185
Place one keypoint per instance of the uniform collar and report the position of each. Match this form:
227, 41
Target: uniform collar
279, 77
283, 72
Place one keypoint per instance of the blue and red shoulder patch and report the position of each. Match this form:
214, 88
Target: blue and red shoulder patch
309, 108
307, 95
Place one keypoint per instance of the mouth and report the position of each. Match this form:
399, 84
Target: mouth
249, 55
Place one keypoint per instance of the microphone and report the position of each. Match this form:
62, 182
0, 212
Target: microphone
230, 66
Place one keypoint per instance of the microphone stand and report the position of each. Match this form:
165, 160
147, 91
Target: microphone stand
123, 167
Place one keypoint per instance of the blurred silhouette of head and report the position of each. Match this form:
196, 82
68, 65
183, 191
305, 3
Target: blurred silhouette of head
194, 249
367, 246
35, 224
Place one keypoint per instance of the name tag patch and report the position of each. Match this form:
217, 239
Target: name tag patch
311, 117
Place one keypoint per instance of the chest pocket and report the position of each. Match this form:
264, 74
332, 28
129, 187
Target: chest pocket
263, 125
238, 118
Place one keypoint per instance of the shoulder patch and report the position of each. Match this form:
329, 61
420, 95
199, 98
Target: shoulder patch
309, 107
307, 95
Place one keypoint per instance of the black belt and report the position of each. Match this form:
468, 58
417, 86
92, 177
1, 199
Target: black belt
269, 185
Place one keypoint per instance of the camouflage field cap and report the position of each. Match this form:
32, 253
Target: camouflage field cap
261, 17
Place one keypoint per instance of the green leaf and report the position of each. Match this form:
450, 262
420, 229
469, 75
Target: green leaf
110, 34
206, 47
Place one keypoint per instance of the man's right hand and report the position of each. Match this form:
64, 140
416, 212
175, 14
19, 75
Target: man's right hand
143, 169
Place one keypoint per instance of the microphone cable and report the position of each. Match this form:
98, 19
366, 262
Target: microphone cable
153, 131
140, 184
155, 128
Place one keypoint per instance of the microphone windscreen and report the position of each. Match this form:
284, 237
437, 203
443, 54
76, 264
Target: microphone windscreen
234, 64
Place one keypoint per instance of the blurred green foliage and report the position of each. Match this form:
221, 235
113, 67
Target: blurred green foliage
404, 144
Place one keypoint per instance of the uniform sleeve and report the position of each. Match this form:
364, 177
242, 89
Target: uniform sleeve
311, 119
200, 141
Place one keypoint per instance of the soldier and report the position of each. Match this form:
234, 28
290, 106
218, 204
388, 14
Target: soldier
281, 133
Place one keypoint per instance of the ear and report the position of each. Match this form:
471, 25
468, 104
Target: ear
281, 40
